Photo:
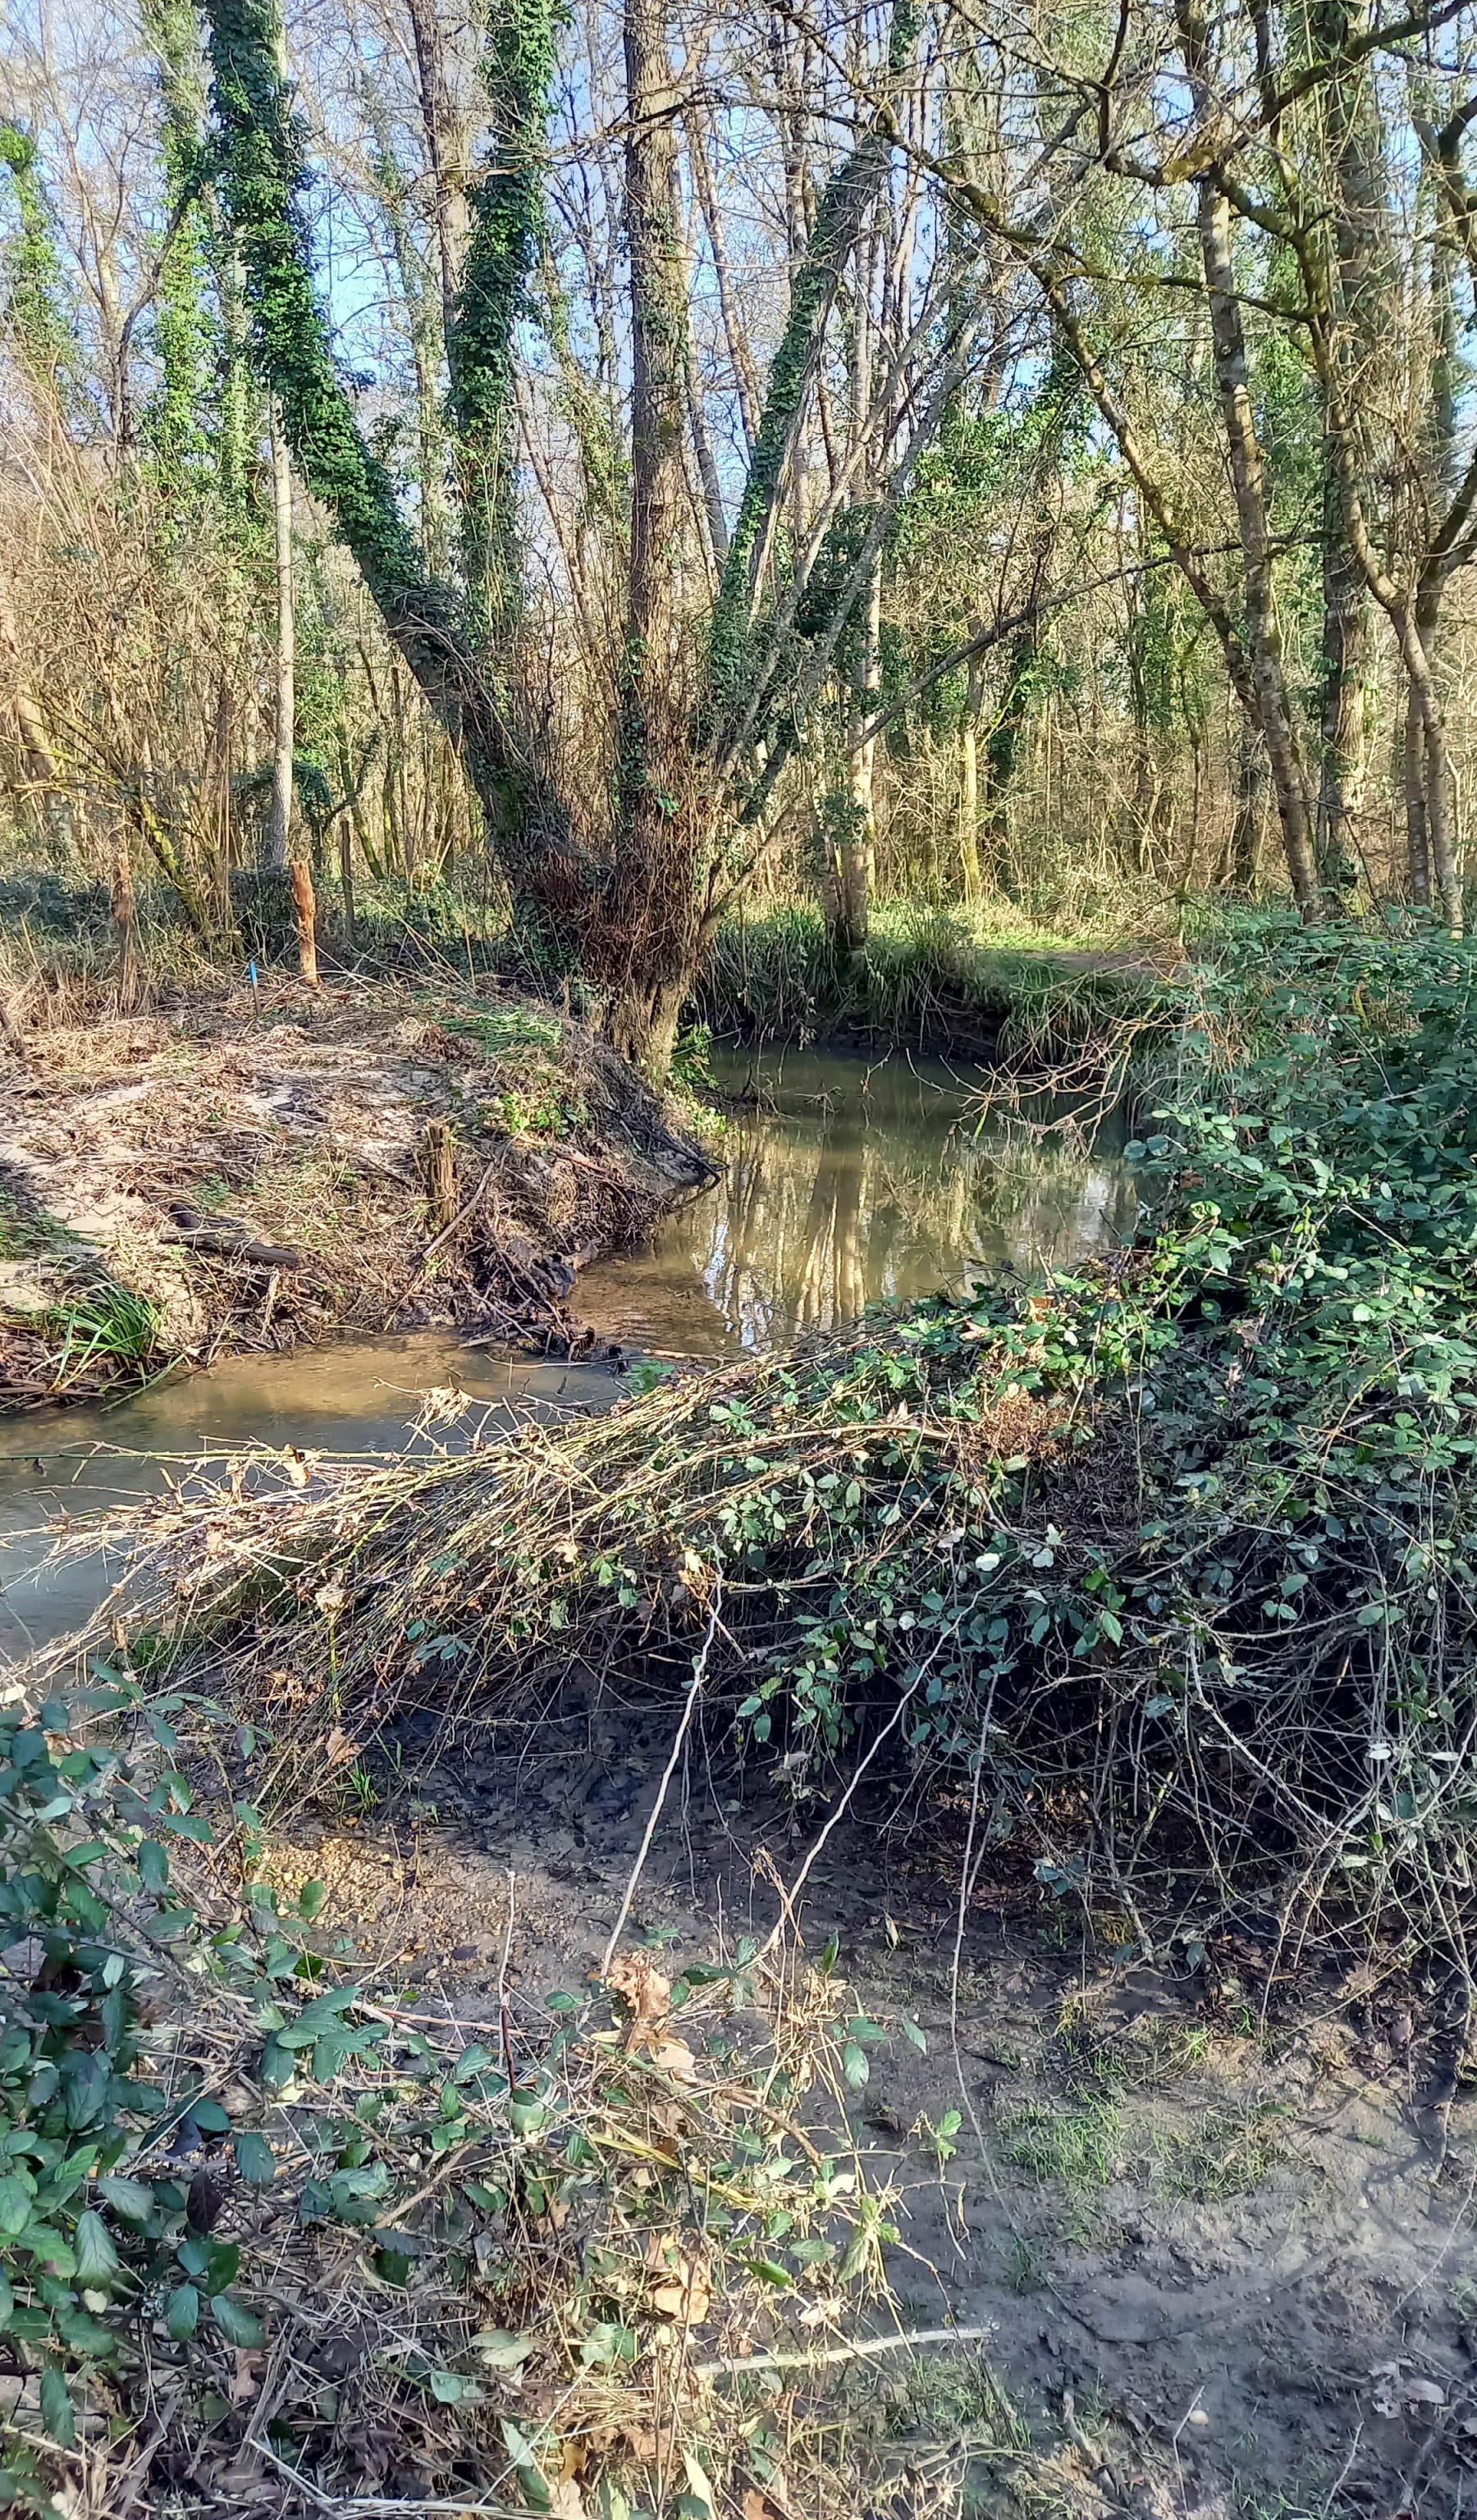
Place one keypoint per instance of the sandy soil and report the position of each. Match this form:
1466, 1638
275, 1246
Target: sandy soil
266, 1167
1216, 2212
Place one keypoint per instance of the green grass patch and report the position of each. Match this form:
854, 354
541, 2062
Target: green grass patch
29, 1232
1076, 2143
929, 974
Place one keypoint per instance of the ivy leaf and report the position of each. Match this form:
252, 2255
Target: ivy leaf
182, 2312
855, 2065
537, 2490
14, 2207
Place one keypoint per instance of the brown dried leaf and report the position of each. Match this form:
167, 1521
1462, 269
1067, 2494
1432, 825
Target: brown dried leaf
684, 2293
675, 2058
247, 2378
634, 1977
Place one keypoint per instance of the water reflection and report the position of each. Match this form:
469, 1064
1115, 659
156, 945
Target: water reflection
847, 1185
844, 1184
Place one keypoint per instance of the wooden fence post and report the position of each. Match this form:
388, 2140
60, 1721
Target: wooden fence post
305, 911
125, 907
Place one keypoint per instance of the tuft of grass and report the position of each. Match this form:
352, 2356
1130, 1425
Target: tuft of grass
107, 1323
1078, 2143
27, 1233
1229, 2153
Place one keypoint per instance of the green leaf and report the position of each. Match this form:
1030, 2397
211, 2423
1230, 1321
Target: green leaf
500, 2350
182, 2312
14, 2207
237, 2324
131, 2200
535, 2486
7, 2299
855, 2065
608, 2342
914, 2036
312, 1899
57, 2413
278, 2065
98, 2260
255, 2159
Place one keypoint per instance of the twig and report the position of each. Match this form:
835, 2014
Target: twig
789, 1897
816, 2357
459, 1219
694, 1691
370, 2506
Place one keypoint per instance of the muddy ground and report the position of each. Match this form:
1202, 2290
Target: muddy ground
254, 1167
1215, 2210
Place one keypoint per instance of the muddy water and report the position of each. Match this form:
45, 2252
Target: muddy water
845, 1184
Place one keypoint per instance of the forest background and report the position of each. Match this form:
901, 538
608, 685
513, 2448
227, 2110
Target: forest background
581, 477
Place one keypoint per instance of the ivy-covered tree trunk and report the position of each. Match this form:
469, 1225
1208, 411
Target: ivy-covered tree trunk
646, 944
280, 818
259, 177
844, 205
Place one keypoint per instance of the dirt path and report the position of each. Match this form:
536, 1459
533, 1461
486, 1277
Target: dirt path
255, 1168
1226, 2255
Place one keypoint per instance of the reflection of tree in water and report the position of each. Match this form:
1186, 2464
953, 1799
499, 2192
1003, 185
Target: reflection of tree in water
819, 1218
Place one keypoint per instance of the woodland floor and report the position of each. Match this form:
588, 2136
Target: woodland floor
1214, 2212
261, 1168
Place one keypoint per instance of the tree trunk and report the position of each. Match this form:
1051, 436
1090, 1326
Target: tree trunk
1346, 665
124, 911
347, 878
858, 840
1248, 482
644, 943
306, 914
969, 790
279, 824
1360, 223
1245, 846
1417, 831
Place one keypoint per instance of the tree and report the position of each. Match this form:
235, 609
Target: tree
637, 905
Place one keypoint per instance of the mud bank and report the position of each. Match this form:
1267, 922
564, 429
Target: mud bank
254, 1168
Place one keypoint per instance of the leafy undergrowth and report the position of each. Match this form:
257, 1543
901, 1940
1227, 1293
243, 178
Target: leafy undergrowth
264, 2224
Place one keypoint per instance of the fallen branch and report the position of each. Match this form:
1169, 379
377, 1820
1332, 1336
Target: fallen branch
820, 2357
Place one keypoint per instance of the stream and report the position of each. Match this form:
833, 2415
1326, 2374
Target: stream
845, 1182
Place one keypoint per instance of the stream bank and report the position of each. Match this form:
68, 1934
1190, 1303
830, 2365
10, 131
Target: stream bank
1171, 1887
254, 1167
